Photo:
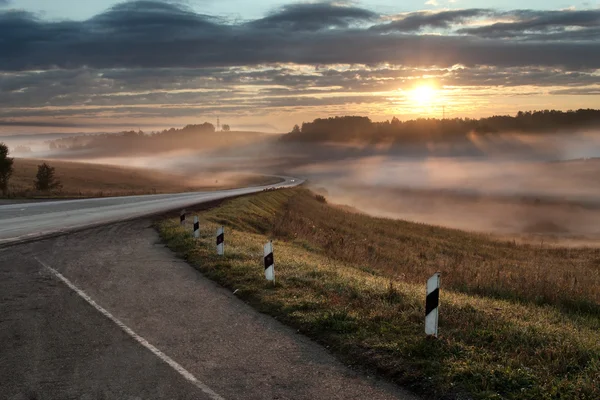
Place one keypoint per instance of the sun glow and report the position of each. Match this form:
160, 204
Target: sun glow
423, 95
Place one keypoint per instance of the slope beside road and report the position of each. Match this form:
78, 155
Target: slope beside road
20, 222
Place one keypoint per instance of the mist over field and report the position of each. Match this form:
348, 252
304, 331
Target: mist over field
512, 184
522, 188
519, 186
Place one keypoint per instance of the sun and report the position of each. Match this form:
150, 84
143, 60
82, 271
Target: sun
423, 94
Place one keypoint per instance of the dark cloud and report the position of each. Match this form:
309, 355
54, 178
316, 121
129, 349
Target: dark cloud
313, 17
154, 59
427, 19
528, 21
154, 18
594, 91
154, 34
4, 3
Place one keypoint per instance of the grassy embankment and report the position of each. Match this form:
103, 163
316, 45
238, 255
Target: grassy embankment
516, 321
96, 180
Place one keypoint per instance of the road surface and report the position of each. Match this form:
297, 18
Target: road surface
23, 221
110, 313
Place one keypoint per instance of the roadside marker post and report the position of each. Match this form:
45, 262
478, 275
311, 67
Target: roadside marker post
432, 302
182, 217
220, 241
269, 262
196, 227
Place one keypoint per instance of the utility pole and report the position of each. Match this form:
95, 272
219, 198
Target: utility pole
218, 125
443, 112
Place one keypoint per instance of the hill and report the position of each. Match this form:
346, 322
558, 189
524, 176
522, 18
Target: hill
97, 180
516, 321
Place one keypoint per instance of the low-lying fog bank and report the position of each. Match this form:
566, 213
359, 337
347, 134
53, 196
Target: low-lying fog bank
515, 185
516, 199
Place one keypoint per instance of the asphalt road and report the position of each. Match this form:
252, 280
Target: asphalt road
19, 222
110, 313
56, 345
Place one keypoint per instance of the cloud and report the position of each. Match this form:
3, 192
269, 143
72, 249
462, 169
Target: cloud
156, 59
54, 124
248, 88
154, 34
591, 91
428, 19
151, 18
4, 3
528, 21
313, 17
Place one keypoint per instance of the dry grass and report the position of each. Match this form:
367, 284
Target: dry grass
497, 341
470, 263
96, 180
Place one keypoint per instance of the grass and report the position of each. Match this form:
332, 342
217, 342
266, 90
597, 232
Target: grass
82, 180
516, 321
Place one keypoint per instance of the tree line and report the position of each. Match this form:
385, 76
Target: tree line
362, 129
140, 140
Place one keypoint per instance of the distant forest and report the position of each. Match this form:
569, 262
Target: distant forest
200, 137
410, 135
363, 130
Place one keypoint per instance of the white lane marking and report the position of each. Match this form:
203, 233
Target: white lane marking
172, 363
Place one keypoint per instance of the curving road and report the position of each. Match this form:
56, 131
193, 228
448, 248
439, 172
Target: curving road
111, 313
25, 221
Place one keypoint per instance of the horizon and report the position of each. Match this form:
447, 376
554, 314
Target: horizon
111, 65
157, 129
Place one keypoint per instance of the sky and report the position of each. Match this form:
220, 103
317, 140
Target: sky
105, 65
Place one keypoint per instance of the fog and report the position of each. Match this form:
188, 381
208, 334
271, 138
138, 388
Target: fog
522, 187
545, 191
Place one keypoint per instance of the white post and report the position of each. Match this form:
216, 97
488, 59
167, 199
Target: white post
269, 262
432, 302
220, 241
196, 227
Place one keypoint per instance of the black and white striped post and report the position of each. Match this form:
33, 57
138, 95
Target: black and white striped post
196, 227
220, 241
182, 217
269, 262
432, 303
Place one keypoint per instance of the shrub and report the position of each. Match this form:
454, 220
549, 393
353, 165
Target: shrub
321, 199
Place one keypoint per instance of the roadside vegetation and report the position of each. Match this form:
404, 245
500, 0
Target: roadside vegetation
38, 179
516, 321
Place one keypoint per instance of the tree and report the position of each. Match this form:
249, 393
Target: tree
6, 168
226, 128
296, 129
46, 179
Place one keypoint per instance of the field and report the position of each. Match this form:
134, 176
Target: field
516, 321
96, 180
